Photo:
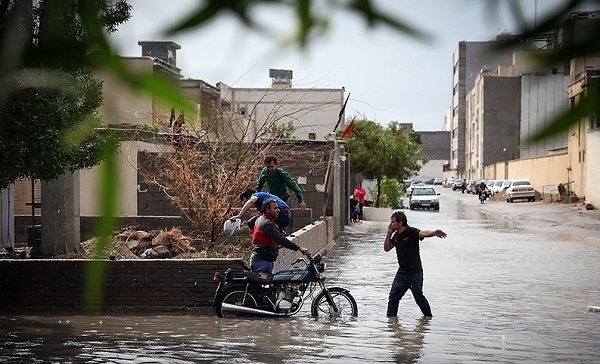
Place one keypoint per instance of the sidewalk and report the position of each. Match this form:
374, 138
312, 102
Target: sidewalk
569, 219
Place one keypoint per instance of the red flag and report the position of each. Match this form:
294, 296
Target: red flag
348, 130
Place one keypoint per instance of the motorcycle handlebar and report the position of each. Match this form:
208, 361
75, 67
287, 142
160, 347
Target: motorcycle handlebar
303, 260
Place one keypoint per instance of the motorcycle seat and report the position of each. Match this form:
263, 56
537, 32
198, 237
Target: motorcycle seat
260, 277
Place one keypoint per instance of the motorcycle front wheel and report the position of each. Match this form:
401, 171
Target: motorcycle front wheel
343, 300
238, 297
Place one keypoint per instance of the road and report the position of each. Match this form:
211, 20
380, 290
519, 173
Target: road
511, 283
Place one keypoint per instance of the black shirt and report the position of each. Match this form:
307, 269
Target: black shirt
407, 250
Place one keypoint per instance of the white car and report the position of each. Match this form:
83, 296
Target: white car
521, 188
424, 197
448, 182
498, 186
414, 184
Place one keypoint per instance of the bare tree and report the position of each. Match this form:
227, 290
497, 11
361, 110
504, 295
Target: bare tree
206, 165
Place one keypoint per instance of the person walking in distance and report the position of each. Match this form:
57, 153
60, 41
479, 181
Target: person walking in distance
353, 209
279, 182
406, 240
360, 194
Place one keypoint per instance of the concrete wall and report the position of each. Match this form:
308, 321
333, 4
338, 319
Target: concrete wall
123, 106
150, 284
432, 169
543, 172
128, 184
377, 213
542, 100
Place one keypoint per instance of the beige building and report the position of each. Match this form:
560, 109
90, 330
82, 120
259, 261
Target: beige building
584, 136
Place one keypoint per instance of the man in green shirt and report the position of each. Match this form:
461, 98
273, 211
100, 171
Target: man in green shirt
279, 182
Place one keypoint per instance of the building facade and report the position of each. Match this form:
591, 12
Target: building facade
492, 122
434, 147
468, 60
282, 110
507, 107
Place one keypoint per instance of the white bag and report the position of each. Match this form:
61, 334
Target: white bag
229, 226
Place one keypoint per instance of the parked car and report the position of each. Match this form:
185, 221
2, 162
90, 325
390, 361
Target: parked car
412, 185
474, 184
428, 181
490, 185
520, 189
424, 197
459, 184
470, 186
498, 186
437, 181
448, 182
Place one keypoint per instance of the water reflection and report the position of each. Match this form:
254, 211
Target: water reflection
410, 341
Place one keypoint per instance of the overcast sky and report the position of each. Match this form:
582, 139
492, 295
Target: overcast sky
390, 76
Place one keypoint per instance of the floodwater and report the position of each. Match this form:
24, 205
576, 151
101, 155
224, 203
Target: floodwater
503, 289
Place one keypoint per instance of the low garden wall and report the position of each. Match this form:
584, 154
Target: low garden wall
133, 285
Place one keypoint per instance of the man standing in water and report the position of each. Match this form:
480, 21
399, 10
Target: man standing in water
410, 271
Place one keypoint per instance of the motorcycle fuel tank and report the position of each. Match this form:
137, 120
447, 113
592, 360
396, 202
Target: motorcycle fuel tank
292, 275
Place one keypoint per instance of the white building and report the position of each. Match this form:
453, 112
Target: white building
300, 113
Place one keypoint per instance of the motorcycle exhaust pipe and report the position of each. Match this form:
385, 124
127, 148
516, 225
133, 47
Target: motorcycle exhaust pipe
253, 311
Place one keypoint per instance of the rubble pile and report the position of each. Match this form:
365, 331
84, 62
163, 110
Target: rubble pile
132, 243
159, 244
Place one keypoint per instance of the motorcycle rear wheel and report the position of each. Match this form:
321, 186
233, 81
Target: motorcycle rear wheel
235, 296
345, 303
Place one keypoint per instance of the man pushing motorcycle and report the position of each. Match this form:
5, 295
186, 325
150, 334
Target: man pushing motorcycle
267, 238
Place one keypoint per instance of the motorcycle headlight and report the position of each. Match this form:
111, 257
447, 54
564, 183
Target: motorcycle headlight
321, 267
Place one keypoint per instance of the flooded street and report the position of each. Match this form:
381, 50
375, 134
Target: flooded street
510, 284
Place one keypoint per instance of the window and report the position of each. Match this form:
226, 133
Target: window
312, 136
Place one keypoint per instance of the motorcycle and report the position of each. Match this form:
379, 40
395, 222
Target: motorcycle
241, 292
482, 196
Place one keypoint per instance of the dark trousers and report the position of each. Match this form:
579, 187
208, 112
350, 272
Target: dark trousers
402, 283
261, 266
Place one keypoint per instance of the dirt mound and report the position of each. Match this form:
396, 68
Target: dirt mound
500, 196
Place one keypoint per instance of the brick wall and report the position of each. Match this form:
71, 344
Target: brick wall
155, 285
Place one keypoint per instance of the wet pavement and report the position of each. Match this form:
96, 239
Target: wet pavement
511, 284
